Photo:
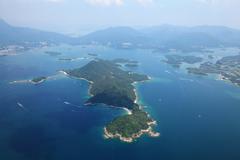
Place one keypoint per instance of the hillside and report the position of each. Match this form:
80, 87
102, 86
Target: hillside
19, 35
165, 37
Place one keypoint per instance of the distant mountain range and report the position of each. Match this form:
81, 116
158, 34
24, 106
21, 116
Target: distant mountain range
19, 35
116, 36
167, 37
158, 37
209, 36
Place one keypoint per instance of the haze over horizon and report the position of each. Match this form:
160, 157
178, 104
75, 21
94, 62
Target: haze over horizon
80, 17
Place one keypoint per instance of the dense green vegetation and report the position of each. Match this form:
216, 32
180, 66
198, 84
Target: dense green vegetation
228, 67
128, 125
111, 85
177, 60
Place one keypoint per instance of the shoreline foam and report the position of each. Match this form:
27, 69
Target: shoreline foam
149, 131
52, 77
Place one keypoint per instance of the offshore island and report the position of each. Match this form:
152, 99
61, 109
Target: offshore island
38, 80
177, 60
35, 81
228, 68
113, 86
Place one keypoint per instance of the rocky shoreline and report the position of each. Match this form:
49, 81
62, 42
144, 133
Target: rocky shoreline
149, 131
126, 127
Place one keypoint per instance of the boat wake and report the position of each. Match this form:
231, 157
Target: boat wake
70, 104
20, 105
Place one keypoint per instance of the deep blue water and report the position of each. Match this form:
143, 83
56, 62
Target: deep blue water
198, 117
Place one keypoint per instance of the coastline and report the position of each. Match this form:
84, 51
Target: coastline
128, 111
29, 81
52, 77
41, 81
65, 73
90, 82
149, 131
220, 77
135, 90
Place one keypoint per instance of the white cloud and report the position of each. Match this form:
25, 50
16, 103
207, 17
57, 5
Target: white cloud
55, 1
106, 2
231, 2
206, 1
118, 2
144, 2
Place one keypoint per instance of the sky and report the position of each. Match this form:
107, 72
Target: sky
82, 16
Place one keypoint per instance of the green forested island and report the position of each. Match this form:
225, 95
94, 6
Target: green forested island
131, 126
177, 60
112, 86
227, 67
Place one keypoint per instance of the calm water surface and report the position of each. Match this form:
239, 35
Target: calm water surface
198, 117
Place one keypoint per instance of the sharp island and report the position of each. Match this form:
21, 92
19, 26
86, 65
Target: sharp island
113, 86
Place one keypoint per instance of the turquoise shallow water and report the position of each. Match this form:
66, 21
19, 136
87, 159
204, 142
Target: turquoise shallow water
198, 117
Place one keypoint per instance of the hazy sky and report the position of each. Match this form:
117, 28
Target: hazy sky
79, 16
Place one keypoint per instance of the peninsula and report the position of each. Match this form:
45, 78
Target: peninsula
112, 86
228, 68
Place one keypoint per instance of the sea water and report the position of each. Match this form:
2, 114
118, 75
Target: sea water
198, 117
